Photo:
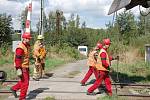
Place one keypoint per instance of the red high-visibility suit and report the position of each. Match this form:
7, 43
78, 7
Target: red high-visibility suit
22, 62
102, 66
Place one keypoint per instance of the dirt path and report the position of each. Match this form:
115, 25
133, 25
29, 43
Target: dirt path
63, 85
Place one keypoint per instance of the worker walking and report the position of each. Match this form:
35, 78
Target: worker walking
91, 63
39, 54
103, 67
21, 62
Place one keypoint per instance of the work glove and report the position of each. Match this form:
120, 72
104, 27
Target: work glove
19, 72
108, 68
38, 59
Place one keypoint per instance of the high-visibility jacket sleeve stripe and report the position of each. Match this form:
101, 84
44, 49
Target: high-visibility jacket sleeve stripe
19, 54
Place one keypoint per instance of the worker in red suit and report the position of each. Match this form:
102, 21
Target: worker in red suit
91, 63
103, 67
21, 62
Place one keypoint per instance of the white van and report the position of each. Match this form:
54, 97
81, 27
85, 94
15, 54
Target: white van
83, 50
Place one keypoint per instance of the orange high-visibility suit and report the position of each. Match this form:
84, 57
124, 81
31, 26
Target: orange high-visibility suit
92, 69
39, 53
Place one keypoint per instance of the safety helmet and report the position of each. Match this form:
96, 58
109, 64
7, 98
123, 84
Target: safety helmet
26, 35
107, 41
99, 45
40, 37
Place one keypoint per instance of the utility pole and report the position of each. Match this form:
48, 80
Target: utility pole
41, 19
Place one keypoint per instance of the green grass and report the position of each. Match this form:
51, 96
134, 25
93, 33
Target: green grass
114, 97
49, 98
138, 71
52, 63
6, 60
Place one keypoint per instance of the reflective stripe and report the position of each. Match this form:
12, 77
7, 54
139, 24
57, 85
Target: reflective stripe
18, 56
103, 58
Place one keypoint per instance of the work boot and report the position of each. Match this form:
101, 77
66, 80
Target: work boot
44, 76
36, 79
92, 93
83, 84
109, 94
13, 92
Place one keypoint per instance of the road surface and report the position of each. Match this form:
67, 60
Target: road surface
63, 85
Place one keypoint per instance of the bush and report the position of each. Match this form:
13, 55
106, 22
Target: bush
117, 48
70, 51
63, 51
4, 49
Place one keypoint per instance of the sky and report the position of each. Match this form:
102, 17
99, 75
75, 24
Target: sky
93, 12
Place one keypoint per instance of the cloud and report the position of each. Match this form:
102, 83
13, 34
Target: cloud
94, 12
10, 7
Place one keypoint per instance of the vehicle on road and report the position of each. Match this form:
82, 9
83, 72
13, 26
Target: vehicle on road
83, 50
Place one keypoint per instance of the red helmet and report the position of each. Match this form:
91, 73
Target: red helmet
26, 35
99, 45
107, 41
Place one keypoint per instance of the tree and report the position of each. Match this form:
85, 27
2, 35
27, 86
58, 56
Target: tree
147, 24
141, 25
71, 23
127, 26
56, 20
5, 29
109, 26
45, 23
76, 38
59, 19
77, 21
51, 21
83, 25
64, 23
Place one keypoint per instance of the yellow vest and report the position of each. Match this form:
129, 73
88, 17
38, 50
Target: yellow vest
36, 49
25, 59
99, 65
42, 51
91, 60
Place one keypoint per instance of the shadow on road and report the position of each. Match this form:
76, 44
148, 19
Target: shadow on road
124, 78
34, 93
49, 74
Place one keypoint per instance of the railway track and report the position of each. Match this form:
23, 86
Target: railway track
120, 89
